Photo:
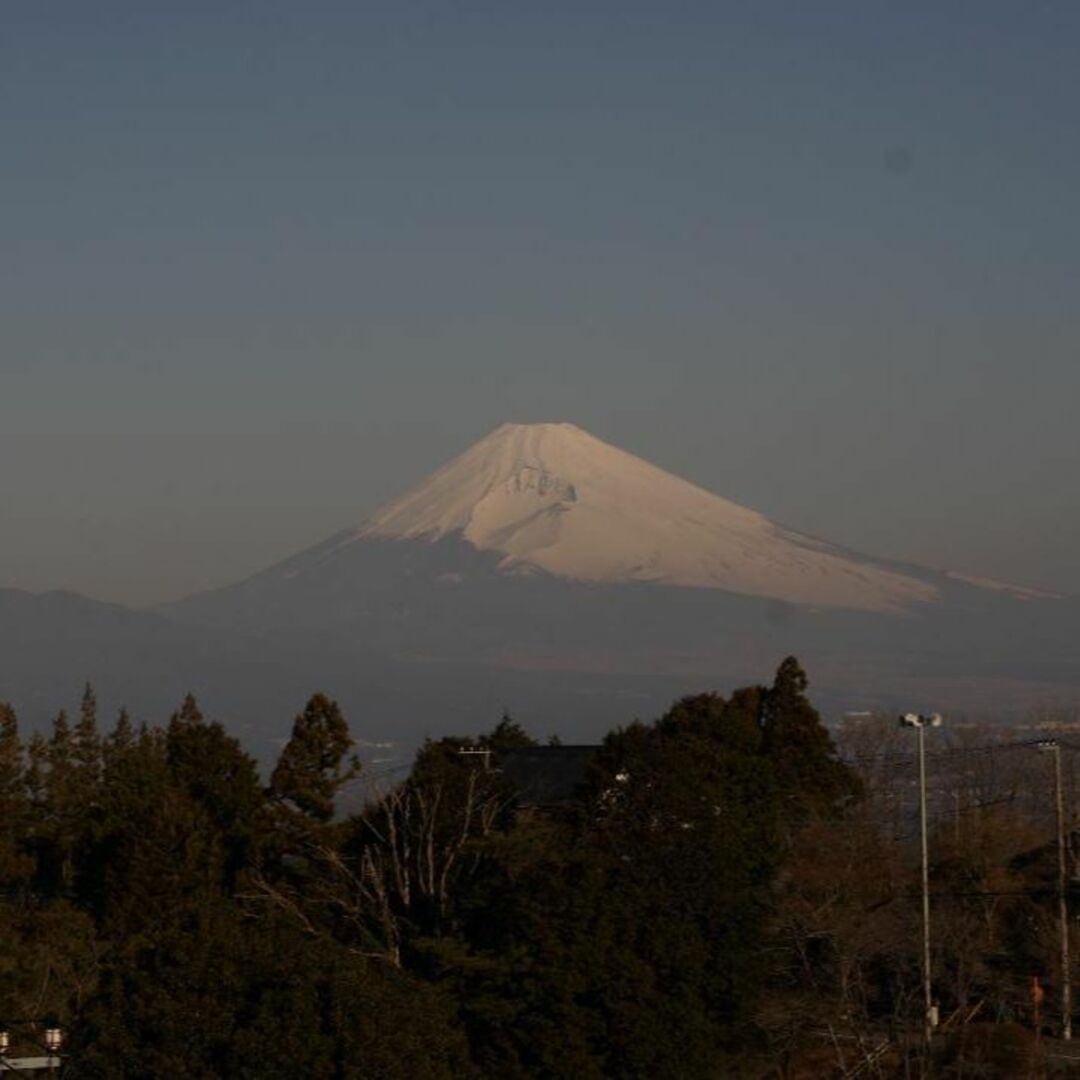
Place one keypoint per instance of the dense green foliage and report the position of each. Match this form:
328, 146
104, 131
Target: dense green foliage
178, 918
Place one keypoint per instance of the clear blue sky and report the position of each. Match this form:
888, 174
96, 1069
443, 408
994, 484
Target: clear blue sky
263, 264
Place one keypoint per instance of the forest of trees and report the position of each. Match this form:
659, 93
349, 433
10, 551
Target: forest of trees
725, 896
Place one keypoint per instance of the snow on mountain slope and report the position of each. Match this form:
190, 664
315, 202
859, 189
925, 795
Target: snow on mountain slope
551, 497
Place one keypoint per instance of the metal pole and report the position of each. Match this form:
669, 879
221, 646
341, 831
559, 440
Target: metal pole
1063, 913
927, 1000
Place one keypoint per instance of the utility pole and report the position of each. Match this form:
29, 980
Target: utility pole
474, 752
920, 724
1052, 746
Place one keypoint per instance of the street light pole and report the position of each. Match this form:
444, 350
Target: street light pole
1052, 746
927, 997
920, 724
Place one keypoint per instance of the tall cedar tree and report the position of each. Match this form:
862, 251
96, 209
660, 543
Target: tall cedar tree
211, 767
812, 781
119, 740
315, 763
86, 745
15, 865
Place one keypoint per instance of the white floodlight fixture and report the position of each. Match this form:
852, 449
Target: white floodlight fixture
5, 1043
916, 721
53, 1038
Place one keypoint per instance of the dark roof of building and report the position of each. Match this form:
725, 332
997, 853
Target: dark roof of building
546, 775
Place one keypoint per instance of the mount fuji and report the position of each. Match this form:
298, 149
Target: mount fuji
550, 573
552, 500
551, 497
544, 549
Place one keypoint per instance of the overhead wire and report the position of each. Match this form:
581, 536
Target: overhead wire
910, 757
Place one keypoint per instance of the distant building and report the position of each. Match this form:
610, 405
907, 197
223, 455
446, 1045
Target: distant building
545, 776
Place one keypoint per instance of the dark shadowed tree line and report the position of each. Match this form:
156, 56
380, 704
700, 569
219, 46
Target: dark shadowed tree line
718, 893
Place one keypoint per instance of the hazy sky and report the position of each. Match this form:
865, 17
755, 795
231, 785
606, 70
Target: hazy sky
263, 264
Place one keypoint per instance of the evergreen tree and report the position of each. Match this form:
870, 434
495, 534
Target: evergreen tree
811, 779
60, 744
315, 763
15, 865
58, 818
50, 949
188, 715
12, 792
212, 768
507, 734
119, 740
68, 778
86, 743
37, 769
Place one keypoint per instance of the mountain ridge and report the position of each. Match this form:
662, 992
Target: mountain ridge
551, 497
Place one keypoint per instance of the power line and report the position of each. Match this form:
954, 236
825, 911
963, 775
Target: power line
953, 751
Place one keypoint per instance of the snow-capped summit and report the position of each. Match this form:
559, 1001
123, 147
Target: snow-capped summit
551, 497
518, 576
